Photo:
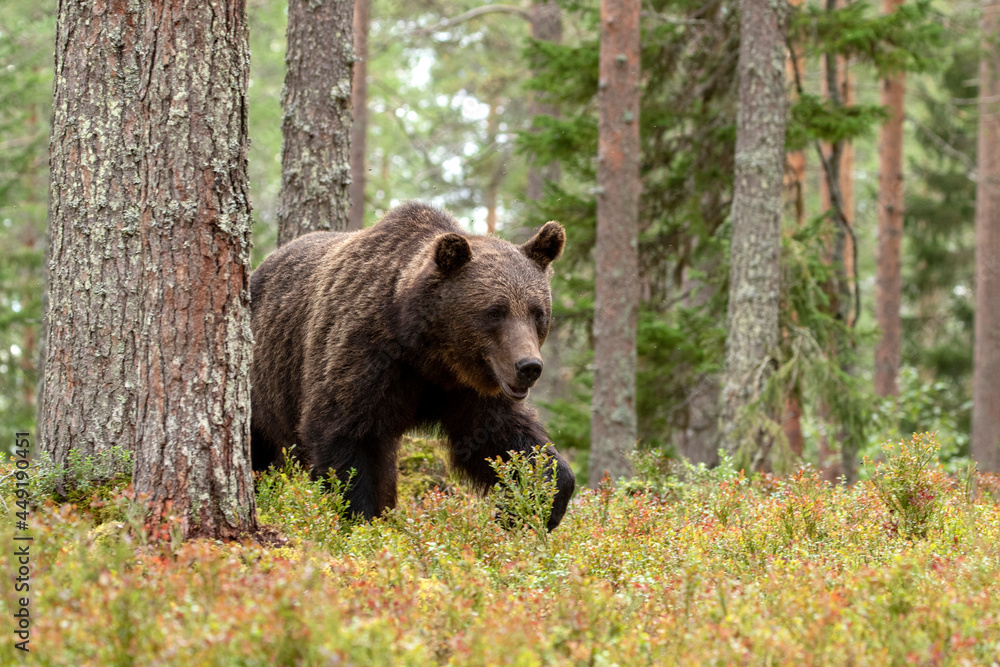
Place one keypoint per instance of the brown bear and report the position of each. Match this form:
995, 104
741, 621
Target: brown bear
361, 336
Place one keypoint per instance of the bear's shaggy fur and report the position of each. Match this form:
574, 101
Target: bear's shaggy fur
362, 336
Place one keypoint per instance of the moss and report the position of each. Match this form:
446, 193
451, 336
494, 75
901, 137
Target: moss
422, 467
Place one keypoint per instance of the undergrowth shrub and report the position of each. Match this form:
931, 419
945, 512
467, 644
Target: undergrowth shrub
93, 483
910, 483
525, 489
722, 568
301, 507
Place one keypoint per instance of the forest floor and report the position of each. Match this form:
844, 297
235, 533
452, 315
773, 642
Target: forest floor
681, 566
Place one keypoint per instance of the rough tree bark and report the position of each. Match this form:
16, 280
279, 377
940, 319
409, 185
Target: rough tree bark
316, 123
194, 349
795, 178
147, 328
616, 282
359, 113
888, 279
546, 24
756, 218
986, 373
88, 391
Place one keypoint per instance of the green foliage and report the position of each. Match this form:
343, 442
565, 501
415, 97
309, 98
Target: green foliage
939, 246
26, 38
908, 484
444, 103
671, 479
905, 39
687, 119
422, 466
725, 569
303, 508
820, 119
525, 489
927, 406
89, 482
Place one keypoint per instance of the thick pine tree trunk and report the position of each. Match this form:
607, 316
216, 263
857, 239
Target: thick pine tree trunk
616, 283
888, 279
986, 373
756, 218
88, 390
546, 24
147, 329
194, 349
316, 126
359, 113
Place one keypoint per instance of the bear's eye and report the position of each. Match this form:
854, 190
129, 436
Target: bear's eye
495, 313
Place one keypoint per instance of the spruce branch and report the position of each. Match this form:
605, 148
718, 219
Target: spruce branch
831, 170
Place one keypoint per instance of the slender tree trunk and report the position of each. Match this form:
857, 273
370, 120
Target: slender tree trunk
795, 178
359, 112
837, 460
546, 24
698, 441
756, 218
843, 157
496, 171
616, 284
792, 425
888, 279
29, 348
193, 423
88, 392
316, 126
986, 373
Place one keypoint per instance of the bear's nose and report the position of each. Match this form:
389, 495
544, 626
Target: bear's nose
528, 370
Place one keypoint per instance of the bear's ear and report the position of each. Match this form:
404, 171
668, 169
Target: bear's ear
451, 252
546, 245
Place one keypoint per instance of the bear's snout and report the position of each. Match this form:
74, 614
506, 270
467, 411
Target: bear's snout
528, 371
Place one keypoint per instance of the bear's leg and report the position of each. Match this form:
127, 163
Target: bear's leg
262, 451
372, 487
482, 428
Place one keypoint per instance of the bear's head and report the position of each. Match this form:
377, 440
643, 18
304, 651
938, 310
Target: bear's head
493, 307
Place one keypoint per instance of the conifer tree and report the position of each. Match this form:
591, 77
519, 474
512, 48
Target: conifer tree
316, 126
888, 283
147, 335
616, 288
752, 321
359, 113
546, 24
986, 374
90, 391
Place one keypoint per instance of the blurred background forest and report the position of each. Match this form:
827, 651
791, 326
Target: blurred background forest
466, 111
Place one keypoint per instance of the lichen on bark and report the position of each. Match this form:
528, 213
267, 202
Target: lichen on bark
752, 318
316, 119
147, 331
